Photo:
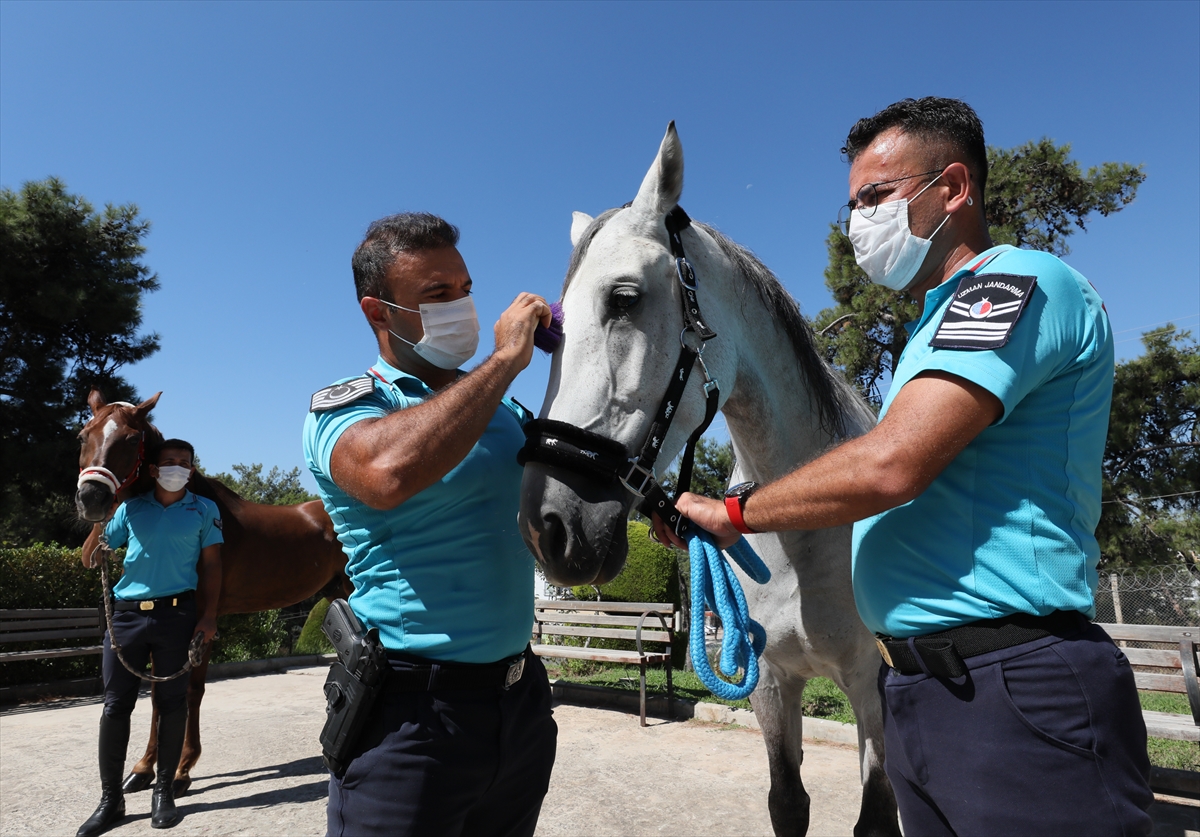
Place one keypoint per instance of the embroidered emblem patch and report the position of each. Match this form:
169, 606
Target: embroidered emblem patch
339, 395
217, 522
983, 311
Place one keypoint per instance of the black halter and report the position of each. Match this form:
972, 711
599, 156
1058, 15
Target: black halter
567, 446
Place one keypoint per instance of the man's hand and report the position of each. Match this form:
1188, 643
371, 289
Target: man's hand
704, 512
207, 625
514, 330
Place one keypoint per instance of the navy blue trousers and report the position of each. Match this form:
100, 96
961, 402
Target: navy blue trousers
1042, 738
449, 763
165, 633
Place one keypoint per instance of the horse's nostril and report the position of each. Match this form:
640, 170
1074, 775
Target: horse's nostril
554, 545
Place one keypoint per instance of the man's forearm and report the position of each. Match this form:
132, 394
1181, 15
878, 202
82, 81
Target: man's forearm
210, 581
385, 461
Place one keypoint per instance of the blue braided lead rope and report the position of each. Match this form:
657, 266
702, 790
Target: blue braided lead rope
715, 586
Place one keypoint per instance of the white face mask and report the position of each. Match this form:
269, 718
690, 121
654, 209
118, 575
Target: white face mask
884, 245
173, 477
451, 332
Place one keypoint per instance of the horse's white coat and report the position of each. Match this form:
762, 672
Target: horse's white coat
608, 377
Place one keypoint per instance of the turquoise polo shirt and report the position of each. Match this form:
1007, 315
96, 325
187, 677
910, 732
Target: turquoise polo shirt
444, 575
164, 543
1009, 525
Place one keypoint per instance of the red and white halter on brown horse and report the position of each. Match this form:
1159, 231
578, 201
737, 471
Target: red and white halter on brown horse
273, 556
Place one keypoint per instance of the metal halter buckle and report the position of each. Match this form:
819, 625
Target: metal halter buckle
687, 276
647, 478
514, 673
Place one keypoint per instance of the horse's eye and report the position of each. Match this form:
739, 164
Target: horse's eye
623, 299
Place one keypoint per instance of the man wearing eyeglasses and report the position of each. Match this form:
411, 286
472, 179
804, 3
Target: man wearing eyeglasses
975, 501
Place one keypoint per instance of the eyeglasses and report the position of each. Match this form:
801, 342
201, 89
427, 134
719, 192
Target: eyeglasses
867, 199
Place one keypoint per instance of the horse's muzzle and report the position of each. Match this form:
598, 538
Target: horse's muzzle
575, 527
92, 502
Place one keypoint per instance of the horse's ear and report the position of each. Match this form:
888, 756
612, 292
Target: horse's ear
579, 225
146, 406
96, 401
663, 184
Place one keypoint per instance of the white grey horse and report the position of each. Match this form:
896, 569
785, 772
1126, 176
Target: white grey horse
783, 406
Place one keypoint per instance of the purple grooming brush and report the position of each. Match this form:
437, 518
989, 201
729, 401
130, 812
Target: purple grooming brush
547, 339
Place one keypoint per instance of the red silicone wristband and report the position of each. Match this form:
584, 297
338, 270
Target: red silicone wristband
733, 507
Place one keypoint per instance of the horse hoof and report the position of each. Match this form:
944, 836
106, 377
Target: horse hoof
135, 782
180, 787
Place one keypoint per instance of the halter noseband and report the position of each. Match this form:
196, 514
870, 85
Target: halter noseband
100, 474
572, 448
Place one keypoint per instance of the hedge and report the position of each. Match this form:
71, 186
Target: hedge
52, 576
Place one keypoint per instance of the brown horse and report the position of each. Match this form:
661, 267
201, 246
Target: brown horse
273, 556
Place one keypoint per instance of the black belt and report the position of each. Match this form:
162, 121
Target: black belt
152, 604
453, 676
941, 654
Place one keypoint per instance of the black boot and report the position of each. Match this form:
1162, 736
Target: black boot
171, 729
114, 740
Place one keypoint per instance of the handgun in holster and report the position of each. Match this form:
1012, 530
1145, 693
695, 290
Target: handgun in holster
353, 684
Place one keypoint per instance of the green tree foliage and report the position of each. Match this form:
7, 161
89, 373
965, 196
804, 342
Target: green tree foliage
1037, 197
710, 472
275, 488
70, 309
1151, 512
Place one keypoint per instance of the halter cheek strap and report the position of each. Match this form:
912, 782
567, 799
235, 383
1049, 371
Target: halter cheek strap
100, 474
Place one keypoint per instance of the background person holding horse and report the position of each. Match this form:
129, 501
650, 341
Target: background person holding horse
416, 464
174, 539
976, 499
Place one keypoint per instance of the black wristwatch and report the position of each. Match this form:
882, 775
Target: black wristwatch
735, 504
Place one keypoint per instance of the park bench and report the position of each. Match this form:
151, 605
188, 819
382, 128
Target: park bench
46, 625
607, 620
1164, 660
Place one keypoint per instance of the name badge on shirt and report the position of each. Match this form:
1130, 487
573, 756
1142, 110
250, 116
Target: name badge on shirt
983, 311
339, 395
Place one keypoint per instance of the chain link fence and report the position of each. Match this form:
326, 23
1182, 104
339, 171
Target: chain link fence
1167, 595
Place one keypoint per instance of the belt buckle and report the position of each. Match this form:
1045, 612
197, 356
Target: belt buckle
883, 652
514, 673
146, 605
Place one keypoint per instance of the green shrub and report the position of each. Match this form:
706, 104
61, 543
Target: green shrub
312, 638
50, 576
248, 636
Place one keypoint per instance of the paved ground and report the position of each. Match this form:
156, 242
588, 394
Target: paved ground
261, 772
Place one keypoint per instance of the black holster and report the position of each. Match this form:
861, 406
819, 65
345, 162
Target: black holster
353, 684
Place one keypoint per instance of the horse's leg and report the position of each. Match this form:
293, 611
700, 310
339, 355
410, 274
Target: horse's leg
777, 706
142, 774
877, 817
191, 741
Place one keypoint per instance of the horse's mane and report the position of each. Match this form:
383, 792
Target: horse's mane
835, 402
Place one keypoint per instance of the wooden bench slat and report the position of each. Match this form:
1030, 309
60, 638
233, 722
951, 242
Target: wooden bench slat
1153, 657
14, 656
34, 636
46, 624
1151, 633
1169, 725
48, 612
605, 633
599, 654
1160, 682
592, 619
664, 608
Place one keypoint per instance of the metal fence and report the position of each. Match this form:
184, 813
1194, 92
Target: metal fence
1168, 595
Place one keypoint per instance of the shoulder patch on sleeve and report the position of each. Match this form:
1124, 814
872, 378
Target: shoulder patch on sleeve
339, 395
983, 311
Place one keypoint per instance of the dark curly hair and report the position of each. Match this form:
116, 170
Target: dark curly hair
395, 234
948, 127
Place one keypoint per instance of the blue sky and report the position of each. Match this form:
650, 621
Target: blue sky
262, 138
